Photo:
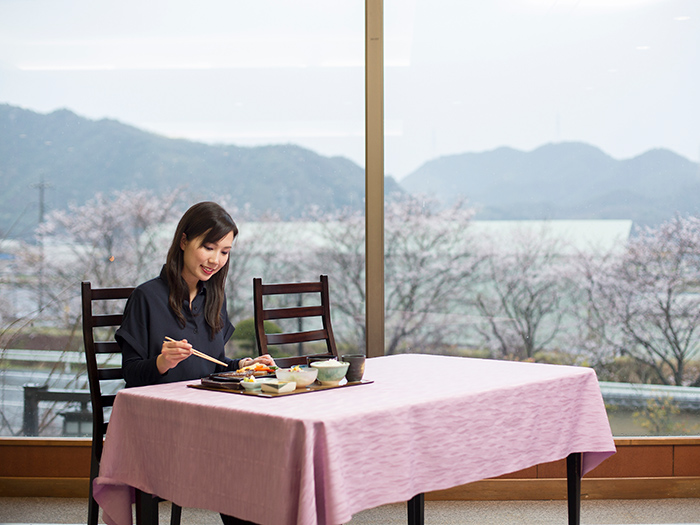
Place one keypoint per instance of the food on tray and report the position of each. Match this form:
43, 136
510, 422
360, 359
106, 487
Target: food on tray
328, 363
253, 384
257, 369
279, 387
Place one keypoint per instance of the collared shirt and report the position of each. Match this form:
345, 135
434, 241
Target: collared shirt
148, 319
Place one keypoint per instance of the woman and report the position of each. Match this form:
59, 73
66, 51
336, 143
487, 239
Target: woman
186, 303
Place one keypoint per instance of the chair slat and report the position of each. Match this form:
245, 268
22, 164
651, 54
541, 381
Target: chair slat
296, 337
101, 294
290, 313
108, 400
107, 347
107, 320
107, 374
291, 288
286, 362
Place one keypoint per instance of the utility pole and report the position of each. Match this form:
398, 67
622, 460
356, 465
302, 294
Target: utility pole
41, 186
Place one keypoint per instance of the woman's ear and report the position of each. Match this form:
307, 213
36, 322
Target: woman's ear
183, 241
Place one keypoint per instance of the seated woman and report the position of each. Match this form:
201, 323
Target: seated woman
185, 303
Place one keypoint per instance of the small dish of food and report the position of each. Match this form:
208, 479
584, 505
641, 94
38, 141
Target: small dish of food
252, 383
303, 376
278, 387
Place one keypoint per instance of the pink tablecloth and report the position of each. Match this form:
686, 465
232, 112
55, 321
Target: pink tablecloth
426, 423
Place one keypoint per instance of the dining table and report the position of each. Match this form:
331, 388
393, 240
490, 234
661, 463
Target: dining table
416, 423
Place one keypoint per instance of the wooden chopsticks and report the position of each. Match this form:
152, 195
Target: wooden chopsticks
200, 354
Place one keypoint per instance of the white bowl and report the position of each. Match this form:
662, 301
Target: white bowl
330, 371
302, 377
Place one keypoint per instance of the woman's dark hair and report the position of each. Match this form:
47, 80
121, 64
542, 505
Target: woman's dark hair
212, 221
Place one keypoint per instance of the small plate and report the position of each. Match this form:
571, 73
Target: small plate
253, 386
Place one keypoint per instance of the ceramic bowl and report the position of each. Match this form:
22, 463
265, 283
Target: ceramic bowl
302, 377
331, 371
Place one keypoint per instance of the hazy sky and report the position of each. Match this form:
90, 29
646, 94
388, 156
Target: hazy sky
461, 75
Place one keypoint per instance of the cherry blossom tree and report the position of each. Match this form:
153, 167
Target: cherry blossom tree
341, 255
266, 247
430, 266
646, 303
114, 240
523, 298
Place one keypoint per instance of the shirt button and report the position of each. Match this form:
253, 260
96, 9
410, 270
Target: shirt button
195, 331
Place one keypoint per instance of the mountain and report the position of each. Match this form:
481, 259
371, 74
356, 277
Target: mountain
563, 181
77, 157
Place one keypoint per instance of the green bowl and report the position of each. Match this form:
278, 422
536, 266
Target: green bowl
330, 371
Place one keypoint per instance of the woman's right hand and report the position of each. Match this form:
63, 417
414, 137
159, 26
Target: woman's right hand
171, 353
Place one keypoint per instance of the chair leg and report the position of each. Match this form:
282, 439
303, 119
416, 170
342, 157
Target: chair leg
93, 511
175, 514
93, 507
573, 484
416, 510
146, 509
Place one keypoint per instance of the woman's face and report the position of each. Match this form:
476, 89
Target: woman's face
201, 261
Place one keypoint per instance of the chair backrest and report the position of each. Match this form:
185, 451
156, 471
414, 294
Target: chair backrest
95, 300
295, 292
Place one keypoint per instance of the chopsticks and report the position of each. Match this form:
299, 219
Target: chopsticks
200, 354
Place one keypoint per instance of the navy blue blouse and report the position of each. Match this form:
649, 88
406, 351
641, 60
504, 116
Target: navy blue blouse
148, 319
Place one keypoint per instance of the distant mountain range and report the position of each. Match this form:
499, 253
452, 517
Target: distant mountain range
77, 157
564, 181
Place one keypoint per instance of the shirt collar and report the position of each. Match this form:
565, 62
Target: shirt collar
202, 287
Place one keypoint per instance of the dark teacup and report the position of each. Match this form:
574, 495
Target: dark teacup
311, 359
357, 367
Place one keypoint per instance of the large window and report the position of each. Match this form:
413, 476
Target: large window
528, 144
536, 140
157, 105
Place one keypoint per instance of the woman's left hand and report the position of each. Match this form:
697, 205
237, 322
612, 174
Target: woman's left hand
265, 359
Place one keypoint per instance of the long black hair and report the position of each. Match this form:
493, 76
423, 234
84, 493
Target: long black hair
212, 221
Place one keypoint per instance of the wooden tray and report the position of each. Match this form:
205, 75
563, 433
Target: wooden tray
313, 387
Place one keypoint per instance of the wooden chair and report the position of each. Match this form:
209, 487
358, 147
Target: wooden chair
293, 291
98, 374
